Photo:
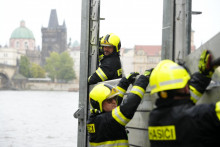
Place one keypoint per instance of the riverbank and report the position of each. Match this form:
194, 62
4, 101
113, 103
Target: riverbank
47, 86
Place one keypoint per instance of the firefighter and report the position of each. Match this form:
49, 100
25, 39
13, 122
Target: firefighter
109, 62
176, 120
106, 124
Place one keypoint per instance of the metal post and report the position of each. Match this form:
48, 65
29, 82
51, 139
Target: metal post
183, 29
188, 26
88, 62
176, 35
81, 114
168, 30
180, 29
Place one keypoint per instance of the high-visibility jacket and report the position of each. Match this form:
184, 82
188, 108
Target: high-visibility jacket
110, 68
108, 128
181, 123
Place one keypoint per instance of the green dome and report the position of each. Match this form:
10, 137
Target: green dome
22, 32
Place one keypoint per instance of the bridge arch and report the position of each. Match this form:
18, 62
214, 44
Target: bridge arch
6, 74
4, 81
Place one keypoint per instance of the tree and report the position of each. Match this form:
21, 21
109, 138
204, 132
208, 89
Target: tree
52, 65
60, 67
24, 66
66, 71
36, 71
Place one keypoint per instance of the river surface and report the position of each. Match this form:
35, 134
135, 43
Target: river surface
38, 119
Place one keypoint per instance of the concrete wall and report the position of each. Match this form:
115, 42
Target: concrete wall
51, 86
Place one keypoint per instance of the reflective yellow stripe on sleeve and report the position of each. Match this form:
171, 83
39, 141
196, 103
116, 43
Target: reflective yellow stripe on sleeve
217, 109
121, 91
118, 143
89, 78
195, 95
119, 117
138, 90
101, 74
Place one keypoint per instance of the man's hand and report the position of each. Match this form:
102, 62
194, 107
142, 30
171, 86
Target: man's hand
205, 66
131, 77
148, 72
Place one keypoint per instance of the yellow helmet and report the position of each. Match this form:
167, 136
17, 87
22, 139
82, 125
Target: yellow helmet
100, 93
168, 75
111, 40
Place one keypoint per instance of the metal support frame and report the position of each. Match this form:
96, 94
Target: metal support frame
88, 62
176, 33
182, 29
167, 51
81, 113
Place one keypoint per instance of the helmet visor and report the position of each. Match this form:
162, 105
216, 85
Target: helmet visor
106, 43
114, 92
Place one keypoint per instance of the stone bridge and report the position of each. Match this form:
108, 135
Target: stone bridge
6, 75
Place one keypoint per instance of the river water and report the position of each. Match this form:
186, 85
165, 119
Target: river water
38, 119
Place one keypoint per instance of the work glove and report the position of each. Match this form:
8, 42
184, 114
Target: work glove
205, 66
101, 57
131, 77
148, 72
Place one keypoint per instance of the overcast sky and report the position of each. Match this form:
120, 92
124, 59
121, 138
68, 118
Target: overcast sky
136, 22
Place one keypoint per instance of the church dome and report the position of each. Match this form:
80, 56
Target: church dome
22, 32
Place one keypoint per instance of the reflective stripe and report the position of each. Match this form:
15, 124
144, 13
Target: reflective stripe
138, 90
119, 117
217, 109
101, 74
168, 83
195, 95
171, 82
152, 87
176, 67
116, 143
121, 91
89, 78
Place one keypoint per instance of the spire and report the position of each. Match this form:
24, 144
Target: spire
53, 22
22, 23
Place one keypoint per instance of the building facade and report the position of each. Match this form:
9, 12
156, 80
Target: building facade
74, 53
140, 58
127, 60
143, 57
9, 56
146, 57
54, 37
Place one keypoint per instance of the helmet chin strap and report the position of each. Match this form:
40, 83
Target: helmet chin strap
182, 95
114, 49
172, 94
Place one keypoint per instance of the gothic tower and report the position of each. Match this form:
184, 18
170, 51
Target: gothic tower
54, 37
